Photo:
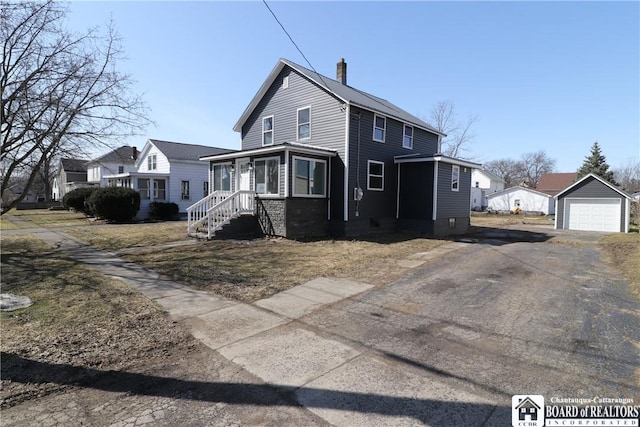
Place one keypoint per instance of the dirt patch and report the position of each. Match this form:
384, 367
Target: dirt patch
623, 252
80, 321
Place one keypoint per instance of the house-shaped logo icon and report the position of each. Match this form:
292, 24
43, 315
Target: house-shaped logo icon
527, 411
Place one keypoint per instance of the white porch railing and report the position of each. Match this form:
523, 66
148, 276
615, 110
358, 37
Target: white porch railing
225, 207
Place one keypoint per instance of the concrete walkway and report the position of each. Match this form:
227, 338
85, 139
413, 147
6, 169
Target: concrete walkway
269, 340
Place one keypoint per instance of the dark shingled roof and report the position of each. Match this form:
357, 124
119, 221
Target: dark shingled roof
179, 151
122, 155
553, 183
74, 165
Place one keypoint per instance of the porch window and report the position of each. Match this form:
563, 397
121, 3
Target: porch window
152, 162
143, 188
205, 188
407, 138
304, 123
455, 178
159, 189
267, 130
310, 177
222, 177
379, 128
375, 176
268, 176
185, 190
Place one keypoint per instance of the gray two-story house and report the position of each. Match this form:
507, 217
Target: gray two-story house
320, 157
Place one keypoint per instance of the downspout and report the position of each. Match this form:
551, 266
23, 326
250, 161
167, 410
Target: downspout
346, 162
434, 214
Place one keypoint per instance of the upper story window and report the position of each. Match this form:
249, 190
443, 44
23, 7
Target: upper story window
304, 123
267, 130
455, 178
379, 128
152, 162
310, 177
120, 169
407, 137
375, 175
267, 176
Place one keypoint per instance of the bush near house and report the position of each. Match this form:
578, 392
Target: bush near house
164, 211
115, 203
78, 199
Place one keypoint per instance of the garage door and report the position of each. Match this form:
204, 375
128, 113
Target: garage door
592, 214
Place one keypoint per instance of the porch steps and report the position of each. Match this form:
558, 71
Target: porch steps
241, 228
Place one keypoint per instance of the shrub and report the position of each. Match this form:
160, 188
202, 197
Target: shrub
115, 203
77, 199
161, 210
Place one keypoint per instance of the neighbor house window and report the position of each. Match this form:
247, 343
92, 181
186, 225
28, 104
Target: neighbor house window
152, 162
455, 178
205, 188
310, 177
143, 188
159, 189
267, 130
407, 138
222, 177
267, 176
120, 169
185, 190
375, 175
379, 128
285, 82
304, 123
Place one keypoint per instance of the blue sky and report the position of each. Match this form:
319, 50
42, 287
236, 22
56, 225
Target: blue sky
555, 76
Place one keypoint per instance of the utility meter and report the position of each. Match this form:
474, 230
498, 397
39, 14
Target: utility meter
358, 194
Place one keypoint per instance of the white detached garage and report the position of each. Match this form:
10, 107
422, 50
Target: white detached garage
593, 204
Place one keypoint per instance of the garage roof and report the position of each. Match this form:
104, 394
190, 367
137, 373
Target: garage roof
592, 175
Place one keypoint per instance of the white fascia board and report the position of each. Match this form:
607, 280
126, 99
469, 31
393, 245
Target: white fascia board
298, 148
442, 159
622, 193
434, 214
346, 162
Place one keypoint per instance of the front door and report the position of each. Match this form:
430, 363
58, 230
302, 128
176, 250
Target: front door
244, 174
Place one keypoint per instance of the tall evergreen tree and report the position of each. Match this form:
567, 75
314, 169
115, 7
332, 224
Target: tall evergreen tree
596, 163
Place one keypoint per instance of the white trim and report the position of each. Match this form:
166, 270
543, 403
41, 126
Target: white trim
384, 131
239, 161
298, 123
255, 175
273, 125
369, 175
398, 195
329, 190
415, 158
622, 193
404, 128
565, 212
301, 148
627, 215
346, 162
212, 186
453, 168
293, 172
434, 214
286, 173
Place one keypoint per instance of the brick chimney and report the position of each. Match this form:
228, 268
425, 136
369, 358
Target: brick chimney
341, 72
134, 153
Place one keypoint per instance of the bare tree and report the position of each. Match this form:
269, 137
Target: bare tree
628, 175
60, 92
459, 133
508, 169
534, 165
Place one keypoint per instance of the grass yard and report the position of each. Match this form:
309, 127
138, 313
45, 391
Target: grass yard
44, 218
79, 319
483, 219
623, 251
5, 224
120, 236
255, 269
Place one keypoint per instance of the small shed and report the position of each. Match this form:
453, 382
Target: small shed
593, 204
526, 199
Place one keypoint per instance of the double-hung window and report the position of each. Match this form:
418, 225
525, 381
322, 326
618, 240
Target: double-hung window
222, 177
205, 188
185, 190
152, 162
407, 137
379, 128
304, 123
159, 189
267, 130
309, 177
143, 188
455, 178
267, 176
375, 175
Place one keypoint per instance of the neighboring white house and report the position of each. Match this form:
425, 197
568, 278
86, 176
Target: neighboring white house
72, 174
168, 172
118, 161
526, 199
483, 183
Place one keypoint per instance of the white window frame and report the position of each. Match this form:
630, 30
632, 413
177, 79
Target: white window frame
152, 162
298, 123
157, 189
409, 138
384, 129
213, 176
264, 132
309, 159
147, 190
370, 175
185, 195
455, 183
255, 175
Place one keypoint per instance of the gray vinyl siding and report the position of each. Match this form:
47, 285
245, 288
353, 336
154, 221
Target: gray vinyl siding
590, 188
453, 204
327, 118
